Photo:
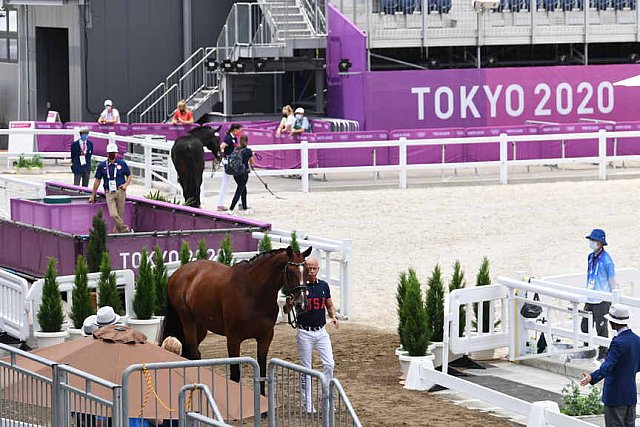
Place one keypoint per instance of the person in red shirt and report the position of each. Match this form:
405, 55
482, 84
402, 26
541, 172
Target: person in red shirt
182, 115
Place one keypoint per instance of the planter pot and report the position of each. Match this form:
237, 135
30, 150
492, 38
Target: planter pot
47, 339
416, 379
74, 334
403, 368
29, 171
437, 352
149, 327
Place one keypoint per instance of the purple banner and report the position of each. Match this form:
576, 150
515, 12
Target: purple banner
100, 144
52, 143
428, 153
168, 130
352, 156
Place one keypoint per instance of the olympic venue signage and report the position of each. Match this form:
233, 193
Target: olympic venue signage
500, 96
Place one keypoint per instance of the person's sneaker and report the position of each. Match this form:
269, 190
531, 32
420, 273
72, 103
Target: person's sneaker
247, 211
231, 212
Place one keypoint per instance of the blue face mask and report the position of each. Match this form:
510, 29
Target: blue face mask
298, 116
84, 136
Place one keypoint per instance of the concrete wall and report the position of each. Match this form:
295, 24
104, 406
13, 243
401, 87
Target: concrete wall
9, 77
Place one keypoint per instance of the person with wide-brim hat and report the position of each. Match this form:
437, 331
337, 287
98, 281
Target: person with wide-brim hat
600, 277
618, 370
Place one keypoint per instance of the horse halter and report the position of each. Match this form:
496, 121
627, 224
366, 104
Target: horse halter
295, 293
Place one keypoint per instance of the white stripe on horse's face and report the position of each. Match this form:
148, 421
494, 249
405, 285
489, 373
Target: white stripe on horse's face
301, 268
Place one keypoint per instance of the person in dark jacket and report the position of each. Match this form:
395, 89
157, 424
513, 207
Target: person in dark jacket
618, 371
228, 145
241, 180
81, 152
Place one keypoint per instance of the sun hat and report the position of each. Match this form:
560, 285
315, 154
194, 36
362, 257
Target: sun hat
106, 316
598, 235
112, 148
618, 314
108, 103
89, 325
299, 110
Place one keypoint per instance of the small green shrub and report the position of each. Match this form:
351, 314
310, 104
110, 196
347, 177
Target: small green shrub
294, 241
434, 304
97, 244
161, 281
401, 291
577, 404
458, 282
483, 279
28, 162
202, 249
225, 253
416, 331
265, 244
144, 299
185, 252
81, 307
107, 286
50, 316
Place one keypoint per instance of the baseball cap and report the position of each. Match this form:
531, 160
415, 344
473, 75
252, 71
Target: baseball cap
299, 110
108, 103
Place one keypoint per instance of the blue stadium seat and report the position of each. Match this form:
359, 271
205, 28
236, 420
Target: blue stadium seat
389, 6
409, 6
600, 4
567, 4
619, 4
550, 5
445, 6
518, 5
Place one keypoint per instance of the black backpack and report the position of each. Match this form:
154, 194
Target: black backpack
235, 166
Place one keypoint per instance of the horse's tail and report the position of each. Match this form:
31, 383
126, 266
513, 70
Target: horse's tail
171, 326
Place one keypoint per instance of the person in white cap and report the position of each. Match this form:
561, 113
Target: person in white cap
109, 115
117, 177
301, 123
618, 370
81, 152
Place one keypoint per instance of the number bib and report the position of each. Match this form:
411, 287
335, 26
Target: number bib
112, 186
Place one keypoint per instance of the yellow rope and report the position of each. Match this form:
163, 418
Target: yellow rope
151, 389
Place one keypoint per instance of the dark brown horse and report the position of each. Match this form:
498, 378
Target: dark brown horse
239, 302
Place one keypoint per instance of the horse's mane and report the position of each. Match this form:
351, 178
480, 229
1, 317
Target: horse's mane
263, 254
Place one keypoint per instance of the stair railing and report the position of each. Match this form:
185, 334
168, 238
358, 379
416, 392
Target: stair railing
315, 11
158, 111
198, 77
134, 112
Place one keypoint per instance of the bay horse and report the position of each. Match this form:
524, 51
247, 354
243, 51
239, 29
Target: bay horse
187, 155
238, 302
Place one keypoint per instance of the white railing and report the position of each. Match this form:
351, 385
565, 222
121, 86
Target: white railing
402, 167
124, 279
18, 188
334, 257
13, 307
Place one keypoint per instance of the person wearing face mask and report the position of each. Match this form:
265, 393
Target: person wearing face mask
601, 276
117, 177
288, 119
81, 152
110, 115
228, 145
301, 123
182, 116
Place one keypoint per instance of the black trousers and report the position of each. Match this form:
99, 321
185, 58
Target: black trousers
620, 416
602, 326
84, 176
241, 190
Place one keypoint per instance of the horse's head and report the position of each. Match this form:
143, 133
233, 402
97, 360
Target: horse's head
210, 138
294, 284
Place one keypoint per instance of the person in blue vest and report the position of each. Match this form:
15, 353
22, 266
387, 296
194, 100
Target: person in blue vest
618, 370
81, 152
601, 276
117, 177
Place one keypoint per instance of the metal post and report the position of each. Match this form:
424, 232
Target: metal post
447, 328
346, 290
147, 163
186, 29
118, 418
602, 154
319, 74
503, 158
403, 163
304, 165
576, 324
374, 161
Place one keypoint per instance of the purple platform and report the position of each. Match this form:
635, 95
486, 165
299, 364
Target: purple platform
40, 230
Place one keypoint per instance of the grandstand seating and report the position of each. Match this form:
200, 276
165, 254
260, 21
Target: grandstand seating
444, 6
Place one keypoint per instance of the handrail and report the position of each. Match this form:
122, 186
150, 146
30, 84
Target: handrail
179, 67
335, 383
158, 100
218, 420
142, 101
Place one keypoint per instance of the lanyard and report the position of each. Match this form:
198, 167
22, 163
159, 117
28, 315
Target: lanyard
594, 264
114, 171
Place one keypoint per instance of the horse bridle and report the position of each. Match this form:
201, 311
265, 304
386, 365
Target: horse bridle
294, 293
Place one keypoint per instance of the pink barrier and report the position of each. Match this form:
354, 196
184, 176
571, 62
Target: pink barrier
428, 153
100, 144
52, 143
352, 156
169, 131
627, 146
318, 126
579, 147
491, 151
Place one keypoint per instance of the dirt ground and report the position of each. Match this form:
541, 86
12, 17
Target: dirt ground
368, 370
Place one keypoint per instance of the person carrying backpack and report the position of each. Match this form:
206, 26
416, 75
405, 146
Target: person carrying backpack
239, 165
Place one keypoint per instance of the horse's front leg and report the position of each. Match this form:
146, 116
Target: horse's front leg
233, 349
263, 350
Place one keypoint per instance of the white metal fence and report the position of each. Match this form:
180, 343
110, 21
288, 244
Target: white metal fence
11, 187
158, 167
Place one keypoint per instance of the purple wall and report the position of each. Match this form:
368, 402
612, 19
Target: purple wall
345, 93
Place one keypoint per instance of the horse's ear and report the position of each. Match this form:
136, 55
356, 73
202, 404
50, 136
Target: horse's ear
289, 251
307, 252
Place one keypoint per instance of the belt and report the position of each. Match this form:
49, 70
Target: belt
310, 328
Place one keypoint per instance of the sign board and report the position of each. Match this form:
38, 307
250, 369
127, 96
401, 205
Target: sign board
22, 142
53, 117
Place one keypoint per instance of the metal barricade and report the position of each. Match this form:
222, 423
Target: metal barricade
152, 391
343, 412
298, 396
191, 416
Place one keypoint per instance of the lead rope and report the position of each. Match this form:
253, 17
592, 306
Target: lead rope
151, 389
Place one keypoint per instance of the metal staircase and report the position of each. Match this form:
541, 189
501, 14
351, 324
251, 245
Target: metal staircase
266, 29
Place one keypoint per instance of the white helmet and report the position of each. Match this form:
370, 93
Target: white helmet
112, 148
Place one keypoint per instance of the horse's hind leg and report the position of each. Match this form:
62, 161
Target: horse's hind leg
233, 349
191, 340
263, 350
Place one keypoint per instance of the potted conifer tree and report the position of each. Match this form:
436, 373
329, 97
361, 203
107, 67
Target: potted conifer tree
108, 294
434, 306
97, 244
415, 331
50, 316
185, 253
144, 300
401, 290
225, 253
161, 281
265, 244
81, 306
202, 249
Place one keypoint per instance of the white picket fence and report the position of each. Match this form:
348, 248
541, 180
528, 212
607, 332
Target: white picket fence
154, 163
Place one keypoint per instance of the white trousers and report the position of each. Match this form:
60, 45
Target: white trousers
224, 187
306, 341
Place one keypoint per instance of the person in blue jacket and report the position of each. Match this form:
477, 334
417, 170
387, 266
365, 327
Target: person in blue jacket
81, 152
618, 371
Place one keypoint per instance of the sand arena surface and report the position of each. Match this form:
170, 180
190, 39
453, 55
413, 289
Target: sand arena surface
538, 228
